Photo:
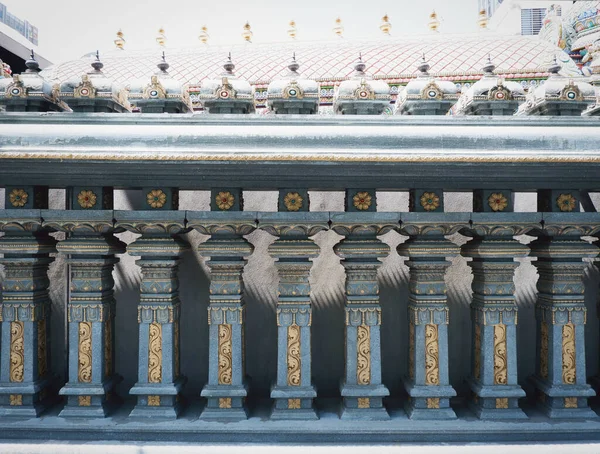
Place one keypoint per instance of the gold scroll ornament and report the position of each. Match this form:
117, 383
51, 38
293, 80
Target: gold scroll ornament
432, 364
363, 348
293, 356
225, 360
154, 353
85, 352
569, 369
500, 359
17, 353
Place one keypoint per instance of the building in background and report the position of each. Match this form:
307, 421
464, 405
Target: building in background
523, 17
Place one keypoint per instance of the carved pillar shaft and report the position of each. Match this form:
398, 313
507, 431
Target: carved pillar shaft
91, 250
293, 391
226, 389
159, 378
494, 380
362, 389
25, 373
560, 377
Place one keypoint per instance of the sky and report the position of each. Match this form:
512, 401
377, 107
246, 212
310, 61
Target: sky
69, 29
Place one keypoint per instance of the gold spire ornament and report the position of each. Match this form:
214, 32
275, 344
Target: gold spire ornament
247, 33
204, 36
120, 41
338, 29
292, 32
161, 39
434, 22
386, 25
483, 19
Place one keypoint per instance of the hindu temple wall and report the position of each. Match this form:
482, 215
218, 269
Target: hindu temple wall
327, 280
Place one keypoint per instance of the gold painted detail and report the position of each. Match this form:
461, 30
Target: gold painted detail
502, 402
17, 352
153, 401
569, 369
154, 353
108, 348
16, 400
544, 349
18, 198
225, 402
224, 200
364, 402
566, 202
497, 201
293, 355
363, 349
570, 402
411, 350
433, 402
293, 201
42, 355
84, 374
477, 353
500, 359
84, 401
430, 201
294, 404
156, 198
432, 365
86, 199
362, 201
225, 360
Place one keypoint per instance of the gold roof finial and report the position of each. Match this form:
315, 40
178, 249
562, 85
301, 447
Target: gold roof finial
120, 41
292, 32
161, 39
434, 22
483, 19
204, 36
386, 25
338, 29
247, 34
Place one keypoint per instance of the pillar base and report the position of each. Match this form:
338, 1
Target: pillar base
90, 400
17, 399
224, 402
293, 402
165, 399
485, 401
429, 401
364, 402
563, 401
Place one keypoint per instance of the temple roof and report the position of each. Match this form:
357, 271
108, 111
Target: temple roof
389, 58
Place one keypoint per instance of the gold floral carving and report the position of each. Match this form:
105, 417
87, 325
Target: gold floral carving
153, 401
154, 353
364, 402
502, 402
108, 348
293, 355
84, 401
18, 198
362, 201
363, 348
86, 199
477, 352
566, 202
156, 198
570, 402
294, 404
432, 365
42, 356
500, 359
411, 350
224, 200
225, 360
85, 352
225, 402
16, 400
430, 201
544, 349
569, 369
497, 201
433, 402
293, 201
17, 352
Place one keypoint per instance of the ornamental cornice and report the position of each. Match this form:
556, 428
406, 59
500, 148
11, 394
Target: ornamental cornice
81, 223
151, 222
301, 225
222, 223
20, 221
